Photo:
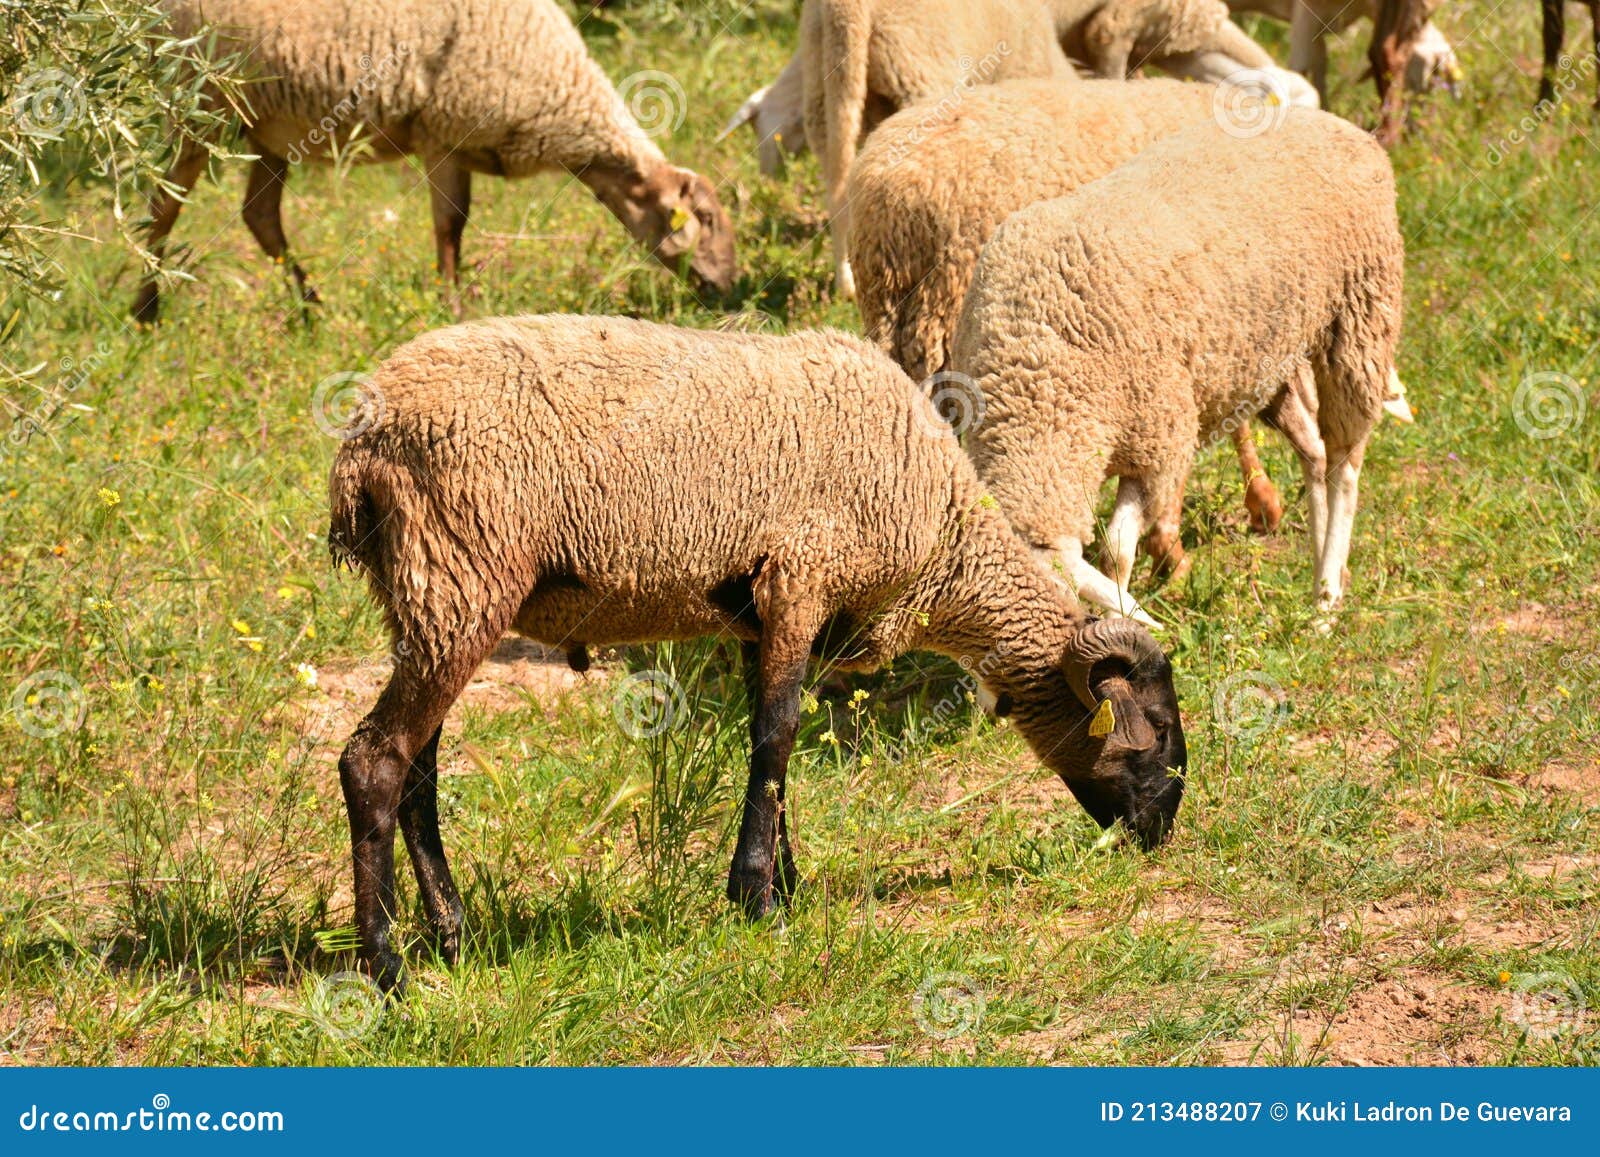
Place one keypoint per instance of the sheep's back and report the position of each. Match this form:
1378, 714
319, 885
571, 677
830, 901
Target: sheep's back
1208, 258
921, 219
659, 460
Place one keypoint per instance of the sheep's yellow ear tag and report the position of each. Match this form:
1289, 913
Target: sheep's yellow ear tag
1104, 721
680, 218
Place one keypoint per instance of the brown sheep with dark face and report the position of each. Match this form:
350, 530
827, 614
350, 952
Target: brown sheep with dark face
605, 481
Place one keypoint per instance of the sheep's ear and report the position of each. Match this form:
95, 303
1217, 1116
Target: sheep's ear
1119, 719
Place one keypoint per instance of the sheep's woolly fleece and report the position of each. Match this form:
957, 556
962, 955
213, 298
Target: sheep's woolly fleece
601, 480
862, 60
1122, 35
919, 221
506, 85
1110, 331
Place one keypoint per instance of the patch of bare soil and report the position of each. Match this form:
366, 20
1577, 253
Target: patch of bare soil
1580, 784
519, 672
1412, 1018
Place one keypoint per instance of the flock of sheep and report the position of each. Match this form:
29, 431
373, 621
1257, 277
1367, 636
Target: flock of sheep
1064, 280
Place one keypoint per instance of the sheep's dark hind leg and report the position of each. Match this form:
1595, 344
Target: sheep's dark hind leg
164, 209
450, 193
1555, 32
394, 748
762, 863
1594, 20
419, 824
263, 213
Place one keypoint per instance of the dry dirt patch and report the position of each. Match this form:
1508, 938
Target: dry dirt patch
519, 672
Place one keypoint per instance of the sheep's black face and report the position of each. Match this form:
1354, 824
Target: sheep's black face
1125, 761
1137, 771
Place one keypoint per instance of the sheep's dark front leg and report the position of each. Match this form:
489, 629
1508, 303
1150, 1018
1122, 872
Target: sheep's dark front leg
419, 824
263, 213
763, 867
1555, 33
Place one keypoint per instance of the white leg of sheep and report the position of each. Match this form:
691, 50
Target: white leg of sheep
1066, 562
1343, 472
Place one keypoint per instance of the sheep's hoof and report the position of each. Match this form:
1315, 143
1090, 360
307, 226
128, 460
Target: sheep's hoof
753, 894
1261, 500
1175, 574
389, 972
147, 306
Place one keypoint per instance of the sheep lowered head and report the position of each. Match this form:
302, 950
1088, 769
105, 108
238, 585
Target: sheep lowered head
681, 214
1116, 683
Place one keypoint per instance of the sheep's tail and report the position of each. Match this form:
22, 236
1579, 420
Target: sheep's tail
366, 499
846, 44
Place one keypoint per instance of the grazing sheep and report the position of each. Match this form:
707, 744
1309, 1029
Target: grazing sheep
777, 113
919, 221
863, 60
1212, 277
469, 86
1555, 36
1397, 29
601, 480
1433, 63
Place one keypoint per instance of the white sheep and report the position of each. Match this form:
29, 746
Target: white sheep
600, 480
1215, 276
919, 221
862, 60
504, 87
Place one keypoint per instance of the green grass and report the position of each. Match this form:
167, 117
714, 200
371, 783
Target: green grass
1390, 833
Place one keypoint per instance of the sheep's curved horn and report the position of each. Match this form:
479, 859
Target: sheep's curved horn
1104, 639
